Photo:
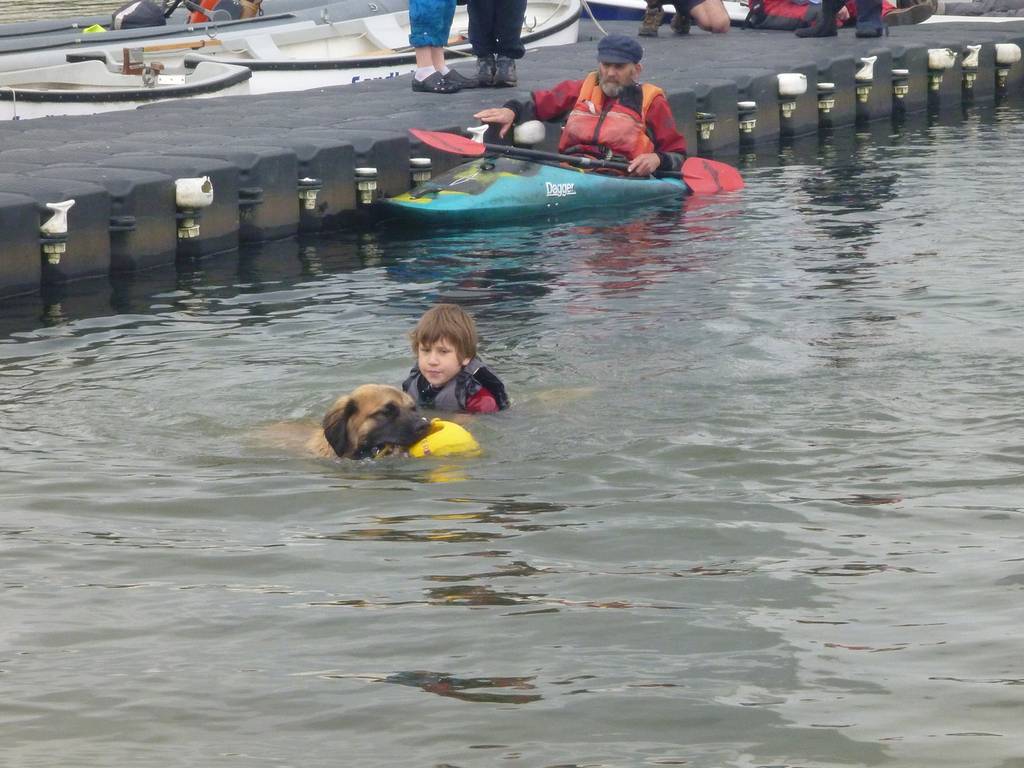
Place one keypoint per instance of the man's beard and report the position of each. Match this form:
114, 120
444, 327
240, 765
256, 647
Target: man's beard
611, 90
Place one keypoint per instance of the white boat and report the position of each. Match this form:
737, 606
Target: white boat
945, 19
87, 87
46, 43
339, 53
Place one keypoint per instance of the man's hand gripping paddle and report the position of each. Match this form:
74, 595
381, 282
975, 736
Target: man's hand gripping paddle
702, 176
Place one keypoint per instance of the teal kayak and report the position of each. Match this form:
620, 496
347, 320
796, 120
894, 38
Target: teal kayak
496, 189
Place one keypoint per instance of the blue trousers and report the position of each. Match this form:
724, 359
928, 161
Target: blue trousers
496, 27
430, 22
869, 15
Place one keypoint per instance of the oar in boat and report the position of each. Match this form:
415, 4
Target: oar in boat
700, 174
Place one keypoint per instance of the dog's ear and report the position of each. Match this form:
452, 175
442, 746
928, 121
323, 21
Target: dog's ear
335, 425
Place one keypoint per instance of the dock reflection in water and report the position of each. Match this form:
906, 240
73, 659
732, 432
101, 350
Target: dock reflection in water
756, 502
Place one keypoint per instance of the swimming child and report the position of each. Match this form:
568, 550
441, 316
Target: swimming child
448, 375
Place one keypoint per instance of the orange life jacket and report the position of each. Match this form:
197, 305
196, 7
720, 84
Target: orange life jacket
236, 9
594, 129
196, 17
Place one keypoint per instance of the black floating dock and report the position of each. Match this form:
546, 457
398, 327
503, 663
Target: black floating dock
266, 167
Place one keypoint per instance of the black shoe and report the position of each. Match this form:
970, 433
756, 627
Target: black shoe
485, 68
454, 76
870, 31
436, 83
505, 73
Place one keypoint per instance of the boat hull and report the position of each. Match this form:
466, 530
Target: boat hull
41, 44
89, 87
494, 190
373, 48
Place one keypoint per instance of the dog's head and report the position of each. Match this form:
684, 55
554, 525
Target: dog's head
374, 420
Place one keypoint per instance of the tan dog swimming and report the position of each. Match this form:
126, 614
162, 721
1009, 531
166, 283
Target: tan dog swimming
373, 420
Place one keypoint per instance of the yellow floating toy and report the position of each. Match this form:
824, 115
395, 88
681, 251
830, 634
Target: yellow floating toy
446, 438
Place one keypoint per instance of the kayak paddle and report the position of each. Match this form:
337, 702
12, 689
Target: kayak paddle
701, 175
706, 177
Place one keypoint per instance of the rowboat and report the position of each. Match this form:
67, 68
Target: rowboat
88, 87
40, 29
47, 43
490, 190
369, 48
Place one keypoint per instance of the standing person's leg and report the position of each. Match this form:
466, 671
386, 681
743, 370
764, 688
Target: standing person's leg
481, 37
869, 18
710, 15
428, 78
427, 33
508, 33
451, 75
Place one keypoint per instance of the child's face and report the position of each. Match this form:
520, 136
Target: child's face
439, 362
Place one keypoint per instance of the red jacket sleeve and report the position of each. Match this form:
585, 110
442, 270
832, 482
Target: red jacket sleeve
663, 127
481, 402
556, 103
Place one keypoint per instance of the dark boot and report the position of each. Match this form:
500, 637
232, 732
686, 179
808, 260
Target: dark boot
652, 20
680, 23
869, 18
485, 68
825, 24
505, 73
459, 79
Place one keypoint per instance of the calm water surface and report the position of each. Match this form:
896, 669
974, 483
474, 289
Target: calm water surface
757, 503
48, 9
24, 10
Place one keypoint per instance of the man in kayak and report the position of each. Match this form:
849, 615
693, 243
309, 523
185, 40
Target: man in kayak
610, 115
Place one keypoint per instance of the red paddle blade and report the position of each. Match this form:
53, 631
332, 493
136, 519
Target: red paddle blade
705, 176
451, 143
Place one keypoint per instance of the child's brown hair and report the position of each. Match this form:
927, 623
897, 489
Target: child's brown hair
449, 322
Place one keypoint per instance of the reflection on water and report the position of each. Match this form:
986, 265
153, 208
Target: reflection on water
465, 688
31, 10
756, 503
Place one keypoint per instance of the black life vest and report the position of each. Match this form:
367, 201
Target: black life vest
462, 386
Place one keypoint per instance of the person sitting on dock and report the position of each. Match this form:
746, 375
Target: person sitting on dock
710, 16
872, 17
610, 115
